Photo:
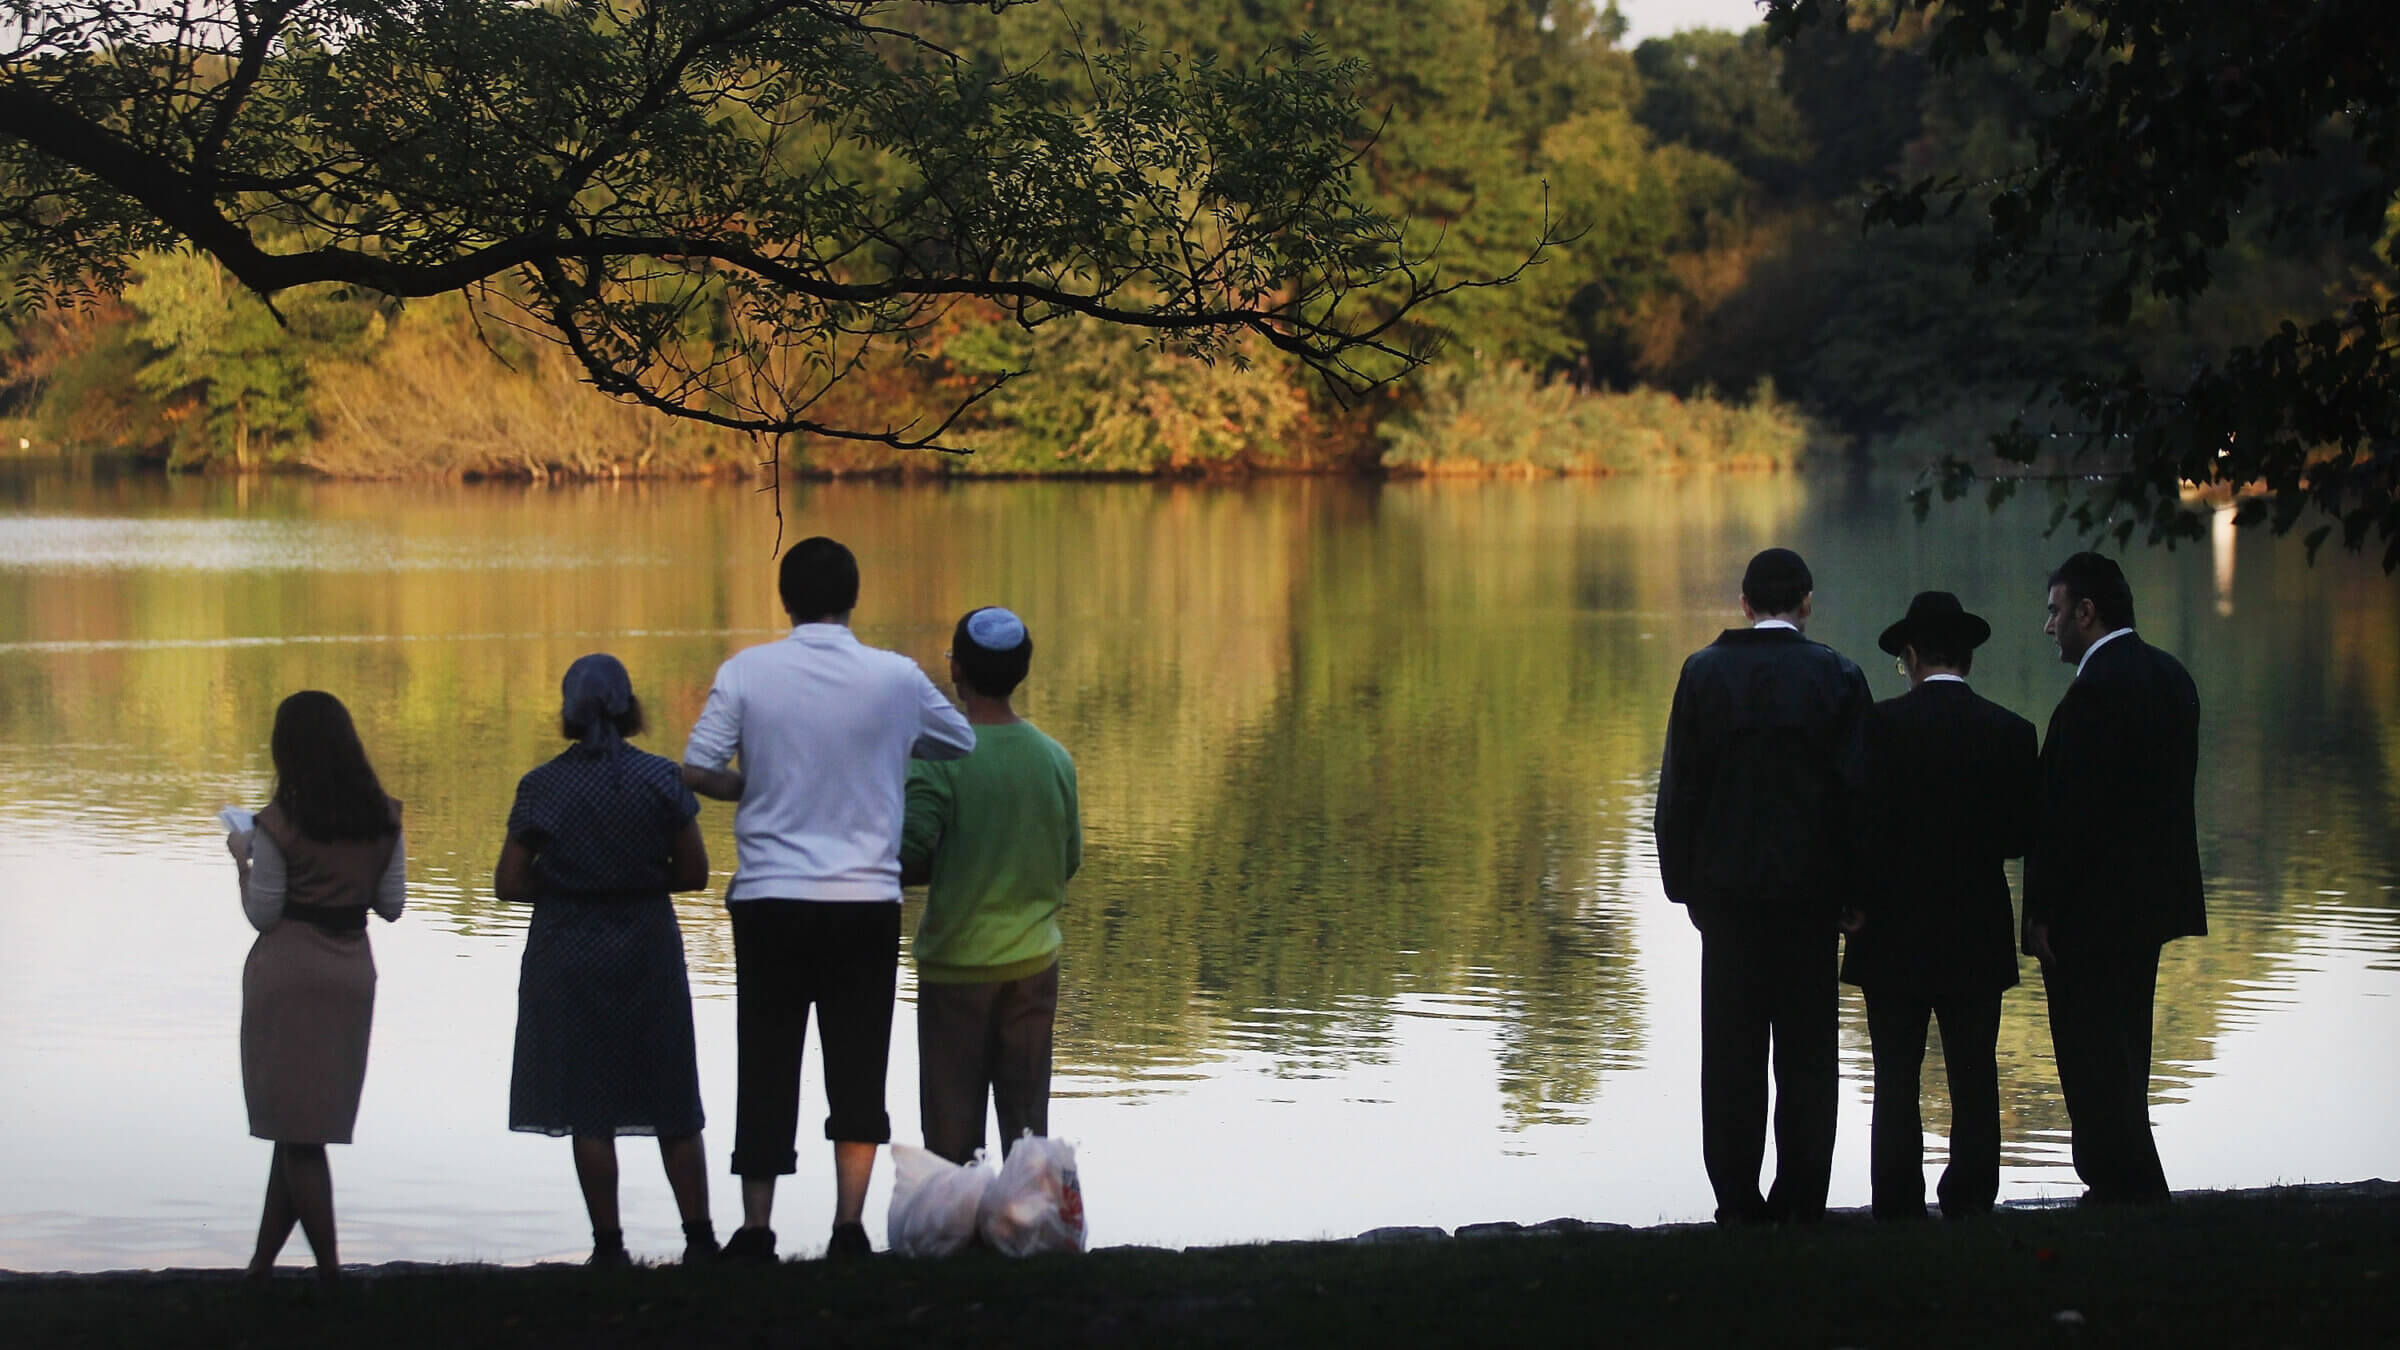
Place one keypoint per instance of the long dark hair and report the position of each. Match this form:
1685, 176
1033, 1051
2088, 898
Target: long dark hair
322, 779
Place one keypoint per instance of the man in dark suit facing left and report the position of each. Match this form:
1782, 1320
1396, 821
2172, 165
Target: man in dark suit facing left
1952, 779
1758, 803
2113, 873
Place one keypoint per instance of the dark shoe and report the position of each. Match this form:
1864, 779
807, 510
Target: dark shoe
1782, 1210
849, 1243
753, 1246
608, 1250
700, 1244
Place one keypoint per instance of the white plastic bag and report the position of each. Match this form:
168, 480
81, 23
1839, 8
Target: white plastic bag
935, 1202
1036, 1204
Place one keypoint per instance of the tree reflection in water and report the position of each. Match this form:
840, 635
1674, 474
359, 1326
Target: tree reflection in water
1351, 754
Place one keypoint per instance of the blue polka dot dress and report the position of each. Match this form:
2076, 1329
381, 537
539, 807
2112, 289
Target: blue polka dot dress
604, 1010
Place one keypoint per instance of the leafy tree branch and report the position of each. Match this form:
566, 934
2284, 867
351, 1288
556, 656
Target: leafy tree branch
715, 205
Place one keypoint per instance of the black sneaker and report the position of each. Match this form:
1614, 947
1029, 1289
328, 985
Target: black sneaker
848, 1243
754, 1246
700, 1244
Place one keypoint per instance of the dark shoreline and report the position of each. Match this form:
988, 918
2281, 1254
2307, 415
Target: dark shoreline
2299, 1266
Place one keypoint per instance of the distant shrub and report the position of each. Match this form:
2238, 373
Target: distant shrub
1104, 400
434, 397
1501, 419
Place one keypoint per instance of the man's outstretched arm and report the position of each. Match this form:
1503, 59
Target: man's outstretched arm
724, 785
716, 738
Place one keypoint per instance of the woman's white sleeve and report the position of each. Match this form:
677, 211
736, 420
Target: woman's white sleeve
262, 894
391, 890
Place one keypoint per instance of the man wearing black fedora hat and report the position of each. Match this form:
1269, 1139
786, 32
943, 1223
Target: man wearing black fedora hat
1759, 799
1952, 779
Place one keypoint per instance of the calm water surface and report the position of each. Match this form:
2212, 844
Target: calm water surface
1370, 931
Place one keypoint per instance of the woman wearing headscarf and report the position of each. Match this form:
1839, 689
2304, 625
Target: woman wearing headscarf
597, 839
325, 851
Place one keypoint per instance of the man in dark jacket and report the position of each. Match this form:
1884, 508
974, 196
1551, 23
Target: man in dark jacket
1952, 779
1758, 802
2114, 869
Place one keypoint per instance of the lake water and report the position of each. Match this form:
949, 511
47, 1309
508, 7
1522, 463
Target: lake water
1370, 931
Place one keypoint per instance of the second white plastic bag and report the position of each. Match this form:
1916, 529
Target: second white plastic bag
1036, 1203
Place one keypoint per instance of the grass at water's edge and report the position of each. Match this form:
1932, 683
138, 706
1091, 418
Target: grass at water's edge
2286, 1268
435, 407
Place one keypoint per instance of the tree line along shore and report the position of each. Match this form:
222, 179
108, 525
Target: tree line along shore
1713, 305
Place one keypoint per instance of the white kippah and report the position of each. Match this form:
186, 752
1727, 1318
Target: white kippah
996, 630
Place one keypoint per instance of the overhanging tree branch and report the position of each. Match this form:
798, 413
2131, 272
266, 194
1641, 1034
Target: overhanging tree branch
697, 197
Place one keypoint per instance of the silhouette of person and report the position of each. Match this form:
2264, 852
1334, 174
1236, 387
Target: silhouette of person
1758, 804
1952, 779
598, 837
2113, 873
997, 835
823, 728
327, 851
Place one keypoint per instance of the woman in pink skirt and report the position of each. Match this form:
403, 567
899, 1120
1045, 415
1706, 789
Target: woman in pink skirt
326, 850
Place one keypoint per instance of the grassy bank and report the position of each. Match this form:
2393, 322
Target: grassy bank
435, 391
1499, 421
2253, 1269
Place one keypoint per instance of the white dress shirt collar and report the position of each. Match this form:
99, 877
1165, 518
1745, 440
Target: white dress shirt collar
1776, 623
1954, 679
2102, 641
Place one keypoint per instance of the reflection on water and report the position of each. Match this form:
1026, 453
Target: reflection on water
69, 543
1370, 931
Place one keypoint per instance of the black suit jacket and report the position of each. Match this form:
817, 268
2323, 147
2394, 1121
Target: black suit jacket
1952, 783
1758, 796
2115, 861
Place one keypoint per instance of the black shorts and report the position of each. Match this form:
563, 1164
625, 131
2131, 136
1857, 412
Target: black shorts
843, 958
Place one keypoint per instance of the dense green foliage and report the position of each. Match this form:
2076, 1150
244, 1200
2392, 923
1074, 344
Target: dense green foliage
248, 375
1707, 192
2155, 151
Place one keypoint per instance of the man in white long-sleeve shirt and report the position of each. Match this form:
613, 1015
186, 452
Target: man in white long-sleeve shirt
822, 728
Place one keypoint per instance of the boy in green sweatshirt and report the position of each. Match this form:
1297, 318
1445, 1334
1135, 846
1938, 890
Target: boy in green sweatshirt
996, 834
